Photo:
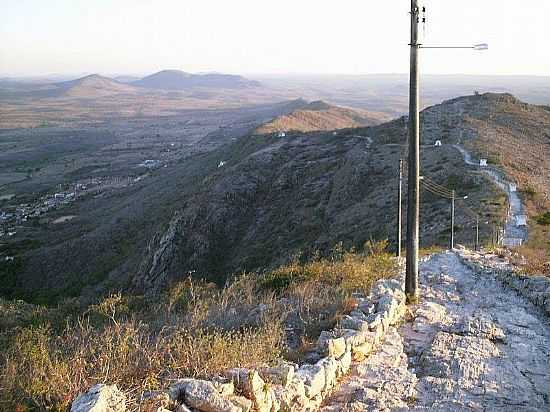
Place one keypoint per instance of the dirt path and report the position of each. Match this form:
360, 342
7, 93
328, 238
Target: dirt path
471, 345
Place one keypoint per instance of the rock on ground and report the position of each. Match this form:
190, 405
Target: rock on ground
100, 398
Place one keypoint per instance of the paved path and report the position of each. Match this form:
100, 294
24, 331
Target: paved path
512, 232
470, 345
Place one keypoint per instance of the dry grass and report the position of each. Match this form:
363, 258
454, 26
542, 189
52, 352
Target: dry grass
194, 330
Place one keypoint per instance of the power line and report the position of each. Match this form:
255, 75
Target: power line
437, 185
427, 186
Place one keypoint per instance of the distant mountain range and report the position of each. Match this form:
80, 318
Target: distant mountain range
93, 85
180, 80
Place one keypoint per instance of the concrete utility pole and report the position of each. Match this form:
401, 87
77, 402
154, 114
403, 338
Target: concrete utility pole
453, 221
413, 190
399, 212
477, 233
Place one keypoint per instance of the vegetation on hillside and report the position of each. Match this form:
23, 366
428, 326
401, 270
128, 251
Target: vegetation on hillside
516, 134
195, 328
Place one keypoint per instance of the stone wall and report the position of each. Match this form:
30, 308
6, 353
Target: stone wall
534, 288
285, 387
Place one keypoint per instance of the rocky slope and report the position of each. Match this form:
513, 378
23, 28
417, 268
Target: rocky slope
274, 198
319, 115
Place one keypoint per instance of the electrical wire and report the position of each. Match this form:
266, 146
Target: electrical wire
436, 191
437, 185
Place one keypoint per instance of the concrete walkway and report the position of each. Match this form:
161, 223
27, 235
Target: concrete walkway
512, 232
470, 345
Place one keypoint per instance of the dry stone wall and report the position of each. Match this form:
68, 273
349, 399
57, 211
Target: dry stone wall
286, 387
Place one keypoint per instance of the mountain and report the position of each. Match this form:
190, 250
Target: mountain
180, 80
261, 200
126, 79
92, 86
319, 115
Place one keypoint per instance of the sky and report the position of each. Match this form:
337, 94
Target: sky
39, 37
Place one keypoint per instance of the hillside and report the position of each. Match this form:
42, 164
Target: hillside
515, 138
93, 86
180, 80
260, 200
319, 115
277, 198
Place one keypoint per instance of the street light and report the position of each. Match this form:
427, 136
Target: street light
478, 47
413, 203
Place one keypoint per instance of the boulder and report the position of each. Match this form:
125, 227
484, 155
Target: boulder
344, 363
100, 398
253, 387
349, 322
353, 338
281, 374
331, 368
292, 398
202, 395
360, 352
313, 377
336, 347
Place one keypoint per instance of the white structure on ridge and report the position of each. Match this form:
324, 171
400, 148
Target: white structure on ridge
521, 220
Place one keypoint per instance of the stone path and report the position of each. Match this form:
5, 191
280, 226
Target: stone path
470, 345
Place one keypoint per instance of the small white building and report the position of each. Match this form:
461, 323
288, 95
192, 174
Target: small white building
221, 164
513, 187
483, 162
521, 220
437, 143
281, 134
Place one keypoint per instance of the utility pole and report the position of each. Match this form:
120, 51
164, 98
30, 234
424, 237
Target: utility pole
399, 212
453, 221
413, 189
477, 233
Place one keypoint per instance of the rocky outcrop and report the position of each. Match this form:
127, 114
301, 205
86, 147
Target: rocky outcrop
536, 289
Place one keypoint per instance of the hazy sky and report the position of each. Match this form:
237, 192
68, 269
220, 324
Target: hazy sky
268, 36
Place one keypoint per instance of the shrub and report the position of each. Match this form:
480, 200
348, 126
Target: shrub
543, 219
195, 329
529, 192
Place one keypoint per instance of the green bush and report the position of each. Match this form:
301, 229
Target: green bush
543, 219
